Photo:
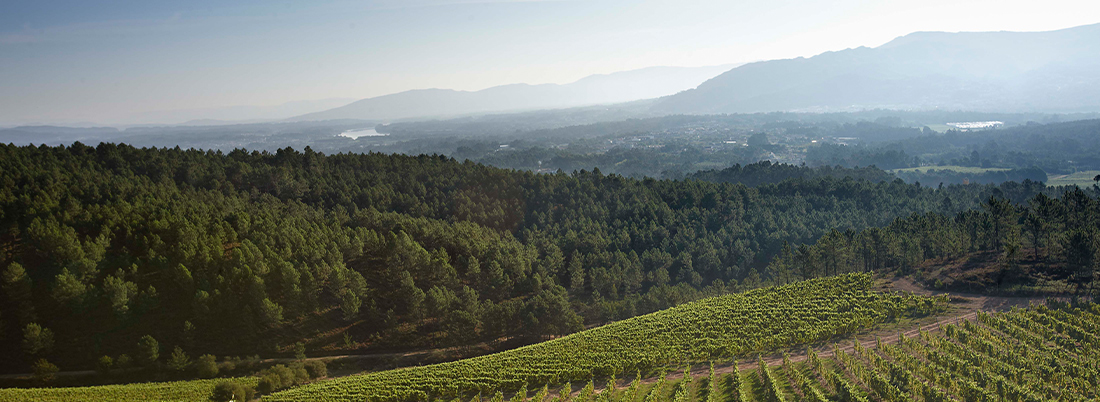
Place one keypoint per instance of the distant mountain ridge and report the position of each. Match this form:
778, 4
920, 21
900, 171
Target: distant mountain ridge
617, 87
233, 114
1053, 71
55, 134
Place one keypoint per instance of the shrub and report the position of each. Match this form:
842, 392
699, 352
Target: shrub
104, 365
148, 350
232, 391
123, 362
281, 377
37, 339
315, 368
228, 364
249, 363
179, 360
44, 371
206, 366
269, 383
299, 351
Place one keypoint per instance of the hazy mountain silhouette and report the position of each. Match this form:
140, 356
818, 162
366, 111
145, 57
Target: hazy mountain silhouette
234, 114
617, 87
1056, 71
54, 135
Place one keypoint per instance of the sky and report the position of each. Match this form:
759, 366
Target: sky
106, 61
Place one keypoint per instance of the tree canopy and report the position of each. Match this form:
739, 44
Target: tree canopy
251, 252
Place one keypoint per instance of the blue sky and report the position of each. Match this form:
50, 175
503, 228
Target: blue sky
101, 61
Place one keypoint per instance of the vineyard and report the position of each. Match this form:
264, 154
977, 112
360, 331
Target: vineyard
1037, 354
1045, 352
715, 328
1042, 353
198, 390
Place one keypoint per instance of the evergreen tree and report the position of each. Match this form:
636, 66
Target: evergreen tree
148, 350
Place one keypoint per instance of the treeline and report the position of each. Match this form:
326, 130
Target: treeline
668, 161
766, 172
932, 176
1057, 148
250, 252
851, 156
1062, 232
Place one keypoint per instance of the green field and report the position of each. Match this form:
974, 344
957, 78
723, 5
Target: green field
719, 327
178, 391
960, 169
1080, 179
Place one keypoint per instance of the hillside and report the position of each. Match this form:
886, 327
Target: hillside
707, 351
981, 71
251, 253
1039, 353
721, 327
1044, 246
1043, 352
596, 89
550, 201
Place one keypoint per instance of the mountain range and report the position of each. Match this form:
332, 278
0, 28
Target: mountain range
234, 114
1005, 72
646, 83
1053, 71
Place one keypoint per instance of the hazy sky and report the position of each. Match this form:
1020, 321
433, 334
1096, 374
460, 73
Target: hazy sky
100, 61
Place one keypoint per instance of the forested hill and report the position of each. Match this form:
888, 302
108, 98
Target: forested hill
249, 252
1047, 245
